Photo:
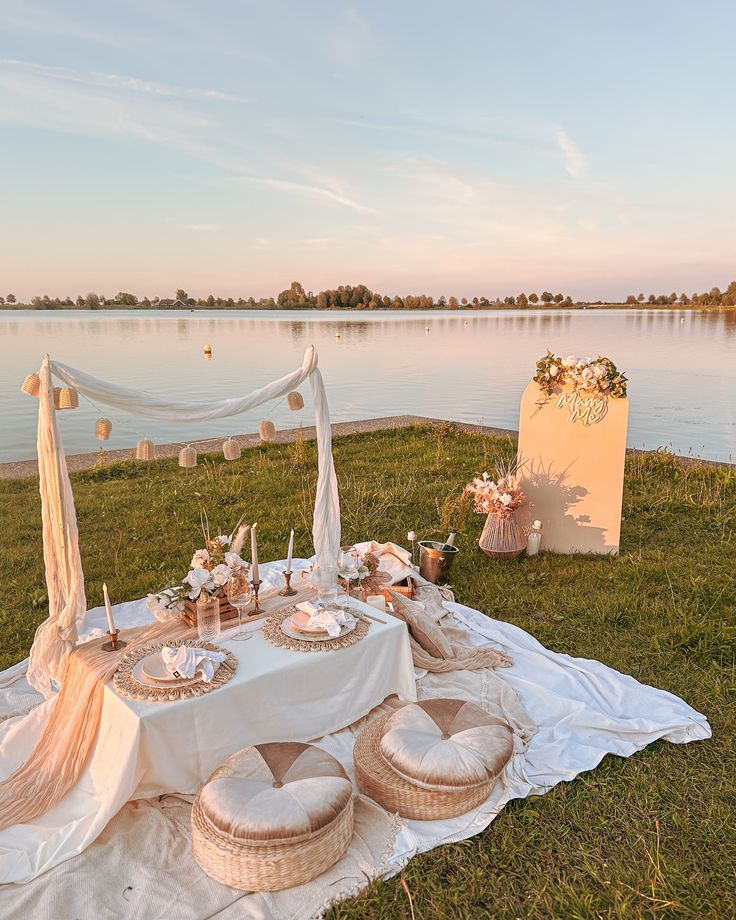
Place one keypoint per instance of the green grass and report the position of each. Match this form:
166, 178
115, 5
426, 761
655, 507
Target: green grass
650, 836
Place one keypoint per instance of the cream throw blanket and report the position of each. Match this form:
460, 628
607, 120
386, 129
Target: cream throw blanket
441, 649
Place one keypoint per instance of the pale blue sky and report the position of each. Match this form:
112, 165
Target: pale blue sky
415, 145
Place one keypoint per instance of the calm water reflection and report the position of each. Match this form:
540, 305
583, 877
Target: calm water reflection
466, 366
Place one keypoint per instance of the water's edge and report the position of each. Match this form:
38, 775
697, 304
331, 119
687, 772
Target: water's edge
24, 469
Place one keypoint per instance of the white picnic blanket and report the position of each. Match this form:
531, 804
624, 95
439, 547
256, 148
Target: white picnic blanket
141, 866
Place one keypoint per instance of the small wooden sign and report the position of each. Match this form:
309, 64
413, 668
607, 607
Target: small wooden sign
572, 449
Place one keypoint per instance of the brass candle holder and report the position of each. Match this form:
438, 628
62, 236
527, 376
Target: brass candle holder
114, 644
287, 590
257, 608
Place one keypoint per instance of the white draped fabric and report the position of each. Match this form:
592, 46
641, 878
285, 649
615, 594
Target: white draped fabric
64, 575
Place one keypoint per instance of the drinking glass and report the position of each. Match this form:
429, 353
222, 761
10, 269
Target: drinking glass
208, 618
324, 579
348, 565
240, 594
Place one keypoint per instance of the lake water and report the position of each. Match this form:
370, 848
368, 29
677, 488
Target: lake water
470, 367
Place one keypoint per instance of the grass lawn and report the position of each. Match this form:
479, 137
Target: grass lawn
650, 836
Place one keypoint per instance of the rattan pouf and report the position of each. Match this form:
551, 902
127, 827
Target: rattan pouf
402, 770
273, 816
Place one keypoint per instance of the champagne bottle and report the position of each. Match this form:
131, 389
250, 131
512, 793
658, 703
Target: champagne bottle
450, 541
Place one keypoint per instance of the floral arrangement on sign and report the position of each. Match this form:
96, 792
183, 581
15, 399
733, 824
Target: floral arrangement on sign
501, 497
598, 376
209, 571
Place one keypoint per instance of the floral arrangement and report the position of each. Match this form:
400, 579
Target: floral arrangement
500, 497
209, 571
598, 376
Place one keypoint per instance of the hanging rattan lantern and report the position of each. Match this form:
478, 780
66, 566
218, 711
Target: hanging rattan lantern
296, 401
103, 427
231, 449
57, 397
267, 430
31, 385
68, 398
187, 457
144, 450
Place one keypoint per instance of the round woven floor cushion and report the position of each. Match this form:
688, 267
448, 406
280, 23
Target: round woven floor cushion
433, 759
273, 816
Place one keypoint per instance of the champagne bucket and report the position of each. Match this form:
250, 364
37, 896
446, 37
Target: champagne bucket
435, 560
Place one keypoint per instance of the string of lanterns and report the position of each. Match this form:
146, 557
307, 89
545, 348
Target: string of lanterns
68, 398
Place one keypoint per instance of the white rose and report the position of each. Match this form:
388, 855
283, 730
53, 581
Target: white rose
505, 499
197, 579
569, 361
220, 575
233, 561
553, 369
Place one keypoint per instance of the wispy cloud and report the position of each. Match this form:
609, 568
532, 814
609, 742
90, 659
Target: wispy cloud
199, 228
310, 191
27, 17
575, 162
114, 81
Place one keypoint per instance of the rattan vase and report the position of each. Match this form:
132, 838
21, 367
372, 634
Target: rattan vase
502, 537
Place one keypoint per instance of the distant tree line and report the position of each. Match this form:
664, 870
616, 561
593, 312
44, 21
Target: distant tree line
715, 297
360, 297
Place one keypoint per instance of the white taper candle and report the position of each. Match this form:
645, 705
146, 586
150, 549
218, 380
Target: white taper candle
108, 610
290, 553
254, 574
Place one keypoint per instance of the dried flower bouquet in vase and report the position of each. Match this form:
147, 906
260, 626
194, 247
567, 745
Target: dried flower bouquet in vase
498, 499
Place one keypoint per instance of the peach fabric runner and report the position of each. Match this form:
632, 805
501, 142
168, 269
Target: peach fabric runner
58, 759
62, 751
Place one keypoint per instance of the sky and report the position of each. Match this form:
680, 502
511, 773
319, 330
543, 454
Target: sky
417, 146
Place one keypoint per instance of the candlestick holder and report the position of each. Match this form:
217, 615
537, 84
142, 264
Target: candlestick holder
114, 644
287, 590
257, 608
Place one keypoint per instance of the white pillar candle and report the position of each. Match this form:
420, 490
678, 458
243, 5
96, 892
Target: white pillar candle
376, 600
290, 553
254, 574
108, 610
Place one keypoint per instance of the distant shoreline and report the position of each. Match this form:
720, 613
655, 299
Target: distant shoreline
492, 308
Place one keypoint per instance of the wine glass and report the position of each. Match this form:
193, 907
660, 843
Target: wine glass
348, 564
324, 579
240, 594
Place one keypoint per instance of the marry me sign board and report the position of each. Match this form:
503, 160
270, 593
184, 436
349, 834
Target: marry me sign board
572, 448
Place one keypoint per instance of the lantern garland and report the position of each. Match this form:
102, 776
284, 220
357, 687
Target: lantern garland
296, 401
267, 431
103, 427
188, 457
68, 398
31, 385
144, 450
231, 449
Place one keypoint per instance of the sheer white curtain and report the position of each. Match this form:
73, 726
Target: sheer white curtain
57, 635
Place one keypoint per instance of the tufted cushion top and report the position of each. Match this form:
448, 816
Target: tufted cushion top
446, 745
275, 793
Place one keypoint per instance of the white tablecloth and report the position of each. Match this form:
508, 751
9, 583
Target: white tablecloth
148, 749
276, 695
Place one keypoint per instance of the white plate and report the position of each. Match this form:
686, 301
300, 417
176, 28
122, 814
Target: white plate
154, 668
288, 630
141, 677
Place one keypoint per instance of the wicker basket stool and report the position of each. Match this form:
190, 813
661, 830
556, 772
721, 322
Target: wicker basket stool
401, 763
273, 816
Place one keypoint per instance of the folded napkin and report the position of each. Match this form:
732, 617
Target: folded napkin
332, 621
185, 661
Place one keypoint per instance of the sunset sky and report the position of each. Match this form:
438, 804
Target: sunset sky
413, 145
